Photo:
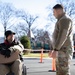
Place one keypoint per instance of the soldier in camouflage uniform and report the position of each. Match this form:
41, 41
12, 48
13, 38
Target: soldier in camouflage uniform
62, 41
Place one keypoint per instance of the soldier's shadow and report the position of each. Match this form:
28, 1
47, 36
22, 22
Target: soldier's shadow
51, 71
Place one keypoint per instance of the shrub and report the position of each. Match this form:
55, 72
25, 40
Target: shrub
25, 42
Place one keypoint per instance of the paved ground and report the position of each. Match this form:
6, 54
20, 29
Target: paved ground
36, 68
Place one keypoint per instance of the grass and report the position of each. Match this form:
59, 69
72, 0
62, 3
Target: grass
36, 55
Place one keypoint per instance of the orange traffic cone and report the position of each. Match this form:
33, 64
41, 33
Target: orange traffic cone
41, 56
53, 65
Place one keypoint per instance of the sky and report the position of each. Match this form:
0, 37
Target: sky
34, 7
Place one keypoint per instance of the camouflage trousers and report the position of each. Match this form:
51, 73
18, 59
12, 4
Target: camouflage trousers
63, 63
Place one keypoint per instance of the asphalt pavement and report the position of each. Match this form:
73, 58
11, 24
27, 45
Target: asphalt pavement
35, 68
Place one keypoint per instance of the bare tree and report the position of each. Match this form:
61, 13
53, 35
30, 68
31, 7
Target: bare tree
42, 36
6, 14
20, 29
24, 28
28, 18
